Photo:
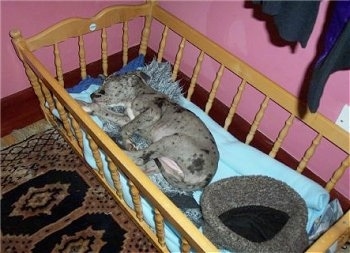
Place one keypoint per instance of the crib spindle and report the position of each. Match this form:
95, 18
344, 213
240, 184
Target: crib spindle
82, 60
125, 42
282, 134
96, 155
48, 96
195, 74
58, 64
162, 44
35, 84
257, 120
145, 35
104, 54
136, 200
64, 117
214, 89
159, 221
234, 104
185, 246
115, 177
309, 152
178, 59
77, 131
338, 173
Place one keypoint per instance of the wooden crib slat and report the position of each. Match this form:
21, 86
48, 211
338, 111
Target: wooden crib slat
337, 236
235, 103
162, 44
35, 84
125, 40
178, 58
282, 134
338, 173
185, 246
78, 131
195, 74
214, 89
64, 118
159, 221
58, 65
115, 177
145, 35
48, 96
82, 60
136, 200
257, 120
104, 54
96, 155
309, 152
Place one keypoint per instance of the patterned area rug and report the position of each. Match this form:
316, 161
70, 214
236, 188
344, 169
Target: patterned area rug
51, 202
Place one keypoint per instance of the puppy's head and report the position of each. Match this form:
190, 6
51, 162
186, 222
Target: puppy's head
120, 88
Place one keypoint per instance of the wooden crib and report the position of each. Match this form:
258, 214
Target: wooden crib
50, 89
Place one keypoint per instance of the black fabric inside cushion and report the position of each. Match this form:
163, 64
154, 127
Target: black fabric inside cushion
255, 223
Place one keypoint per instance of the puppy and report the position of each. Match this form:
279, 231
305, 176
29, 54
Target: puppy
178, 139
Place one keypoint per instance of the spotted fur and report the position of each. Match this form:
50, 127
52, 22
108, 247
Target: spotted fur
179, 140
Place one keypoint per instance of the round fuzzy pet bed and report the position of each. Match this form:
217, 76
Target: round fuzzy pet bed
254, 214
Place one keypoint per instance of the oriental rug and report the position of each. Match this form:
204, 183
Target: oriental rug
51, 202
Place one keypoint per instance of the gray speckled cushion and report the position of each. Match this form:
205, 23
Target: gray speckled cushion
229, 193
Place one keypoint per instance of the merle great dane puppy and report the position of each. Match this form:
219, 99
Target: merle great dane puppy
181, 144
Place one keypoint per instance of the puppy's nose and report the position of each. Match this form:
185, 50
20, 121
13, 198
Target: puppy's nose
94, 95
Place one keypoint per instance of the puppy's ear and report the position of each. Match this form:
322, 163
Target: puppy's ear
144, 76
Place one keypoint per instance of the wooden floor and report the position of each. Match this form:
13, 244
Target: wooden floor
19, 110
22, 109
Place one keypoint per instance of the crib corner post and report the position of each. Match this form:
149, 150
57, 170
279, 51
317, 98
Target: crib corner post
16, 37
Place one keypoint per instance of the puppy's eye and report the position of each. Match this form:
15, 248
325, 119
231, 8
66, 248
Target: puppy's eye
102, 92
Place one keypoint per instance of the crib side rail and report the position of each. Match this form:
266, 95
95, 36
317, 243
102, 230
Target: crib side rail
52, 96
74, 27
334, 237
273, 91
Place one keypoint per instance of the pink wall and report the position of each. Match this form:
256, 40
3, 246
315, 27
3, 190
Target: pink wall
32, 17
229, 23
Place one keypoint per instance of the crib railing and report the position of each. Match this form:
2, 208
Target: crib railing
249, 76
73, 122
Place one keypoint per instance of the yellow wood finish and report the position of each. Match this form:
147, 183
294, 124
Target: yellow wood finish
195, 74
178, 58
339, 233
309, 152
162, 44
82, 60
257, 121
214, 89
282, 134
104, 49
58, 64
145, 35
52, 96
115, 177
125, 42
159, 220
338, 173
234, 104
